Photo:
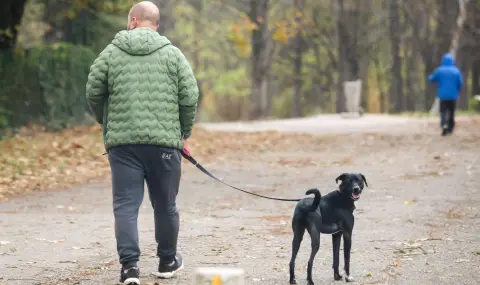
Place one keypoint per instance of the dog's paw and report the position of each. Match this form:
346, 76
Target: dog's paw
337, 276
310, 283
293, 281
349, 279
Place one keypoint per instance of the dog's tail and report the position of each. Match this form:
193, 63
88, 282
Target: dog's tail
316, 200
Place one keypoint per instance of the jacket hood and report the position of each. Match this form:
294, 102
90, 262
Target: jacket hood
139, 41
448, 60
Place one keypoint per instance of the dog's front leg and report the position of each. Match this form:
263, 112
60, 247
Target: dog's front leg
347, 246
336, 239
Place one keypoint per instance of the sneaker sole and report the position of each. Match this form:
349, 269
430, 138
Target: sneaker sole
167, 275
131, 281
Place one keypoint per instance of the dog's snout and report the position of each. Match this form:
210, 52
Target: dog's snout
356, 189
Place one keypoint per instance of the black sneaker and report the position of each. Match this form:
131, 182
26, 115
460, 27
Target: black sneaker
167, 271
130, 276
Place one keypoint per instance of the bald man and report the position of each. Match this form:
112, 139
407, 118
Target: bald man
142, 90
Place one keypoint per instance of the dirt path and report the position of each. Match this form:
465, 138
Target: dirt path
418, 223
327, 124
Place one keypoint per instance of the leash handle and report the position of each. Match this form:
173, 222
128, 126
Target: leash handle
185, 152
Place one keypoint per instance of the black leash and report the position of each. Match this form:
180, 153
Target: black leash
188, 157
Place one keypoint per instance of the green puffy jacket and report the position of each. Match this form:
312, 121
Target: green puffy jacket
142, 90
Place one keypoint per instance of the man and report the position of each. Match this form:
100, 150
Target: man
449, 83
142, 90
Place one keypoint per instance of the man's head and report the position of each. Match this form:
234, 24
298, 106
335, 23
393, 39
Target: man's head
144, 14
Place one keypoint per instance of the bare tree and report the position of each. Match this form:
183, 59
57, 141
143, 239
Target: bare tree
258, 14
297, 66
396, 87
342, 42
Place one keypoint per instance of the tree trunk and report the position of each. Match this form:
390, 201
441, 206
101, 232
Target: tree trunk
167, 18
11, 13
348, 34
476, 77
352, 22
271, 90
259, 15
396, 88
460, 51
198, 5
475, 46
413, 98
342, 43
297, 66
463, 59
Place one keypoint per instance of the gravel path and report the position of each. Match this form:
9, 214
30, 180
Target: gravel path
418, 223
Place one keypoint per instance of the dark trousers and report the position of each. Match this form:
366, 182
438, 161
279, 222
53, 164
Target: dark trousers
131, 165
447, 114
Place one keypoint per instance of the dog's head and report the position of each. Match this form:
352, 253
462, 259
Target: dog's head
352, 184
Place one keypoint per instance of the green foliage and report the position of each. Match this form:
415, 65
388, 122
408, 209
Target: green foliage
473, 104
63, 70
18, 78
234, 83
48, 83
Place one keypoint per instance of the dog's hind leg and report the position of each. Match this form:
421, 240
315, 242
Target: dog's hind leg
298, 231
315, 236
336, 239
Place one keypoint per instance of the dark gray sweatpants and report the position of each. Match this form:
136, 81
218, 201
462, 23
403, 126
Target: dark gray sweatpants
160, 167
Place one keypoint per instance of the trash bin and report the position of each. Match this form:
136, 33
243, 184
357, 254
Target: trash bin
352, 91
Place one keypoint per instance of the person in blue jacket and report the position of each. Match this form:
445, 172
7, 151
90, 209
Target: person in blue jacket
449, 83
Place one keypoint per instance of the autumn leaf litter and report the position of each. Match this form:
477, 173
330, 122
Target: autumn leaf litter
35, 160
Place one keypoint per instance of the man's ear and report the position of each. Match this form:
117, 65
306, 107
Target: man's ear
364, 179
341, 177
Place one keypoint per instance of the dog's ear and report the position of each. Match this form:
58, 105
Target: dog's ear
364, 179
341, 177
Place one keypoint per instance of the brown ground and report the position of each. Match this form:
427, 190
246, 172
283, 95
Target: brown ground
418, 223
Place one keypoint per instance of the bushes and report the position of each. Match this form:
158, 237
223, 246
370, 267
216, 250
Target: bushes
45, 84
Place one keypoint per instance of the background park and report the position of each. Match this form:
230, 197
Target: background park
271, 75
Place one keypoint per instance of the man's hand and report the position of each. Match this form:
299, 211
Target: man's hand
185, 150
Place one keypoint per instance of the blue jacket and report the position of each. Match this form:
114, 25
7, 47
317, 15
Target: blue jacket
448, 78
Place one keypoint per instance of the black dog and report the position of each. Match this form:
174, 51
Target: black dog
330, 214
